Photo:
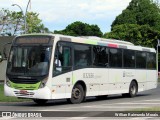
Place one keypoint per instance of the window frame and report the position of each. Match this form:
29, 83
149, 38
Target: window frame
134, 67
121, 58
145, 59
69, 45
94, 66
91, 60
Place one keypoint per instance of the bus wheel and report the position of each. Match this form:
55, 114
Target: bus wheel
40, 101
77, 94
133, 89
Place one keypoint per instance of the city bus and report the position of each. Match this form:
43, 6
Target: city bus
46, 67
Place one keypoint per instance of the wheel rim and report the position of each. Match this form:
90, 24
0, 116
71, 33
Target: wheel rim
133, 90
76, 93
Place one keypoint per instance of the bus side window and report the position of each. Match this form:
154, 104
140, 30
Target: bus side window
82, 56
57, 67
115, 58
151, 61
62, 60
100, 56
66, 56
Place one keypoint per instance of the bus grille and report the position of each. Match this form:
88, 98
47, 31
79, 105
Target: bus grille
21, 94
24, 81
25, 88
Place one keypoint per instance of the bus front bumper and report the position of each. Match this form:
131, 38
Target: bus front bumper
42, 93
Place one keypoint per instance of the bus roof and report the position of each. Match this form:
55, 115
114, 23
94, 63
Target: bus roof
96, 41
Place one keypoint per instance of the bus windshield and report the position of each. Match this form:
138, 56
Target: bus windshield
29, 60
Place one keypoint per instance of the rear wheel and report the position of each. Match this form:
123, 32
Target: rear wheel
77, 94
133, 89
40, 101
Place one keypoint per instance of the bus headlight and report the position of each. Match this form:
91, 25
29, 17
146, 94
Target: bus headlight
43, 83
8, 82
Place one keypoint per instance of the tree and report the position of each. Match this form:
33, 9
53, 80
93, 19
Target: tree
138, 34
12, 23
34, 24
141, 12
81, 29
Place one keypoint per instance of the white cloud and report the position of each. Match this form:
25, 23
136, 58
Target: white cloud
79, 9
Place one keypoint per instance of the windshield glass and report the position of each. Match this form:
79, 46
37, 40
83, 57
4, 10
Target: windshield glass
29, 61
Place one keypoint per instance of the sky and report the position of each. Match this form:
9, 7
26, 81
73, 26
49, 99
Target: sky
57, 14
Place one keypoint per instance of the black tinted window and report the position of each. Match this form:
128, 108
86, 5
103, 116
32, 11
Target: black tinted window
100, 56
62, 59
82, 55
115, 57
151, 61
140, 60
128, 58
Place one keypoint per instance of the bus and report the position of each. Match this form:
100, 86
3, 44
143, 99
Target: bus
42, 67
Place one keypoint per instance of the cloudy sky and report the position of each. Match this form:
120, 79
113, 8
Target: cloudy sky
57, 14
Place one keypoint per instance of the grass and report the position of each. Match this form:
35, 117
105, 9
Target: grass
147, 109
4, 98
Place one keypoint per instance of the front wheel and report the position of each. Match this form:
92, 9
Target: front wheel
77, 95
40, 101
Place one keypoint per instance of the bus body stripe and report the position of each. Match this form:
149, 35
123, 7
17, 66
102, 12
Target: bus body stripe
102, 44
144, 49
65, 39
122, 46
113, 45
91, 42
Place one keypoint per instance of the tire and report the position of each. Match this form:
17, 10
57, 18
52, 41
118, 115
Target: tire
77, 95
40, 101
133, 89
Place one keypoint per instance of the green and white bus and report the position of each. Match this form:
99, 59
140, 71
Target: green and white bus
49, 66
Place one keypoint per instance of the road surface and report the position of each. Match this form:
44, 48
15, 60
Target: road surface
150, 98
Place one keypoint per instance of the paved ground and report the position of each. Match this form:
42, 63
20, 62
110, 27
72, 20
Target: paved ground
145, 99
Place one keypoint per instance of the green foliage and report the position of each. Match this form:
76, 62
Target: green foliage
4, 98
138, 34
12, 23
34, 24
81, 29
141, 12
